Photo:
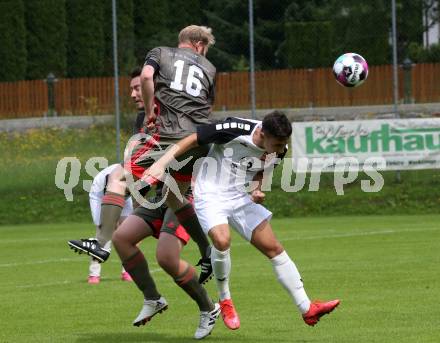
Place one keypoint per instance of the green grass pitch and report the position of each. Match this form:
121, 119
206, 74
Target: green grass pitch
385, 270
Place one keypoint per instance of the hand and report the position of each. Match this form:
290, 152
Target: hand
153, 174
258, 196
151, 121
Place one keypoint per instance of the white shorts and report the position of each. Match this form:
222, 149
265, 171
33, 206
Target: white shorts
242, 214
95, 208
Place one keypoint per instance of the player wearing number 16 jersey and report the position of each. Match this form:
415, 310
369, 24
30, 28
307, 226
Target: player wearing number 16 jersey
180, 82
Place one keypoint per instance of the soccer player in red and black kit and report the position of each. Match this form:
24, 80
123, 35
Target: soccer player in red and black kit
184, 90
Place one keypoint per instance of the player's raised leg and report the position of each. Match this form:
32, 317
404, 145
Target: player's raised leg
112, 205
287, 274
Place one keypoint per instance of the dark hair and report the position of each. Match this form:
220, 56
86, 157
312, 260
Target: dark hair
276, 124
136, 72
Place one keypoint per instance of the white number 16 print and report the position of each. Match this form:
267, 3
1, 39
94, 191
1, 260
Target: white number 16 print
193, 85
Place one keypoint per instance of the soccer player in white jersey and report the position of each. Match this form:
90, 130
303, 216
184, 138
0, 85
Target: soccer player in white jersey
95, 198
241, 151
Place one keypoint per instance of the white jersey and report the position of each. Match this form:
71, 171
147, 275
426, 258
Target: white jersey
234, 159
97, 192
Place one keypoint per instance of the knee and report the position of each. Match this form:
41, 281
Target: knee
274, 250
222, 242
117, 238
120, 238
165, 260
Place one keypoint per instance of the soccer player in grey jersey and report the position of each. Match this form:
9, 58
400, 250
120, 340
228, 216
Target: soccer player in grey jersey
133, 259
241, 151
183, 87
180, 82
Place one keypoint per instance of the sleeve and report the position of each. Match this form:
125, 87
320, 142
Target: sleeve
224, 131
139, 122
153, 59
281, 156
211, 96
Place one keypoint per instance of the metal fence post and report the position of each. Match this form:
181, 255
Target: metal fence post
407, 67
252, 60
50, 80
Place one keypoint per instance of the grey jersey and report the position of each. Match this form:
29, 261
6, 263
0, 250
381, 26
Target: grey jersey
184, 89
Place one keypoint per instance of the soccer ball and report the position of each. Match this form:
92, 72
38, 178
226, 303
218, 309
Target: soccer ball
350, 70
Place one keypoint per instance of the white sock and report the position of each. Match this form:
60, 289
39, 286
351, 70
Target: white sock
94, 268
288, 275
221, 265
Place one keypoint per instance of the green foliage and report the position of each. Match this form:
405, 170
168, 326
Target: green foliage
12, 41
46, 38
419, 54
363, 27
410, 27
126, 39
151, 29
228, 21
73, 38
158, 23
86, 46
183, 13
309, 44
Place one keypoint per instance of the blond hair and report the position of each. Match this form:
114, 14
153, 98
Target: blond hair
195, 33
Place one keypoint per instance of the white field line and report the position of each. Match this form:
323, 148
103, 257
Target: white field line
53, 260
24, 240
342, 235
338, 235
66, 282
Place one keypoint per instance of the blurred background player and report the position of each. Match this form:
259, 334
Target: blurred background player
103, 239
95, 197
221, 199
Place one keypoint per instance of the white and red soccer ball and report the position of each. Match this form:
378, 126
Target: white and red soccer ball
350, 69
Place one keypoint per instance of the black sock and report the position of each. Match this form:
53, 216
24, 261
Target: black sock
137, 267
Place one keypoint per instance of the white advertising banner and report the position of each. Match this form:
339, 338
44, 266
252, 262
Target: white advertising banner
402, 143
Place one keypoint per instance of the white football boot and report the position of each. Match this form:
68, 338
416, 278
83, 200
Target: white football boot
207, 322
149, 310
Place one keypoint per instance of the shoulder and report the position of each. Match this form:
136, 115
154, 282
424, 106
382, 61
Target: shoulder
243, 126
222, 132
156, 52
209, 65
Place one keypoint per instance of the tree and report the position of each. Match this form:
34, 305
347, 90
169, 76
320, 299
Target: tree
157, 23
361, 27
228, 20
46, 38
126, 39
12, 41
86, 47
151, 26
309, 44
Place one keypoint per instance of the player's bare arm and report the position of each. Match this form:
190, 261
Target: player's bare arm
147, 87
157, 170
257, 195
